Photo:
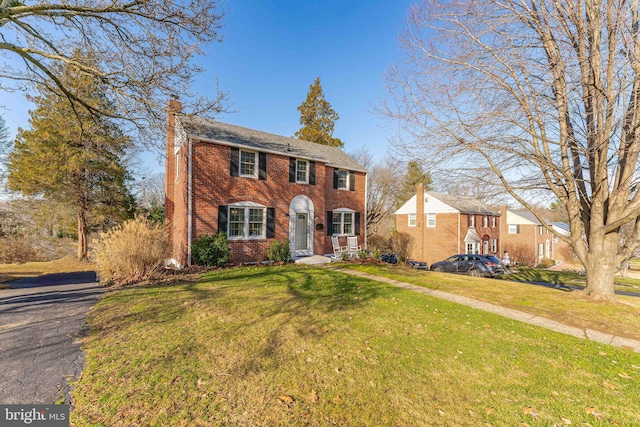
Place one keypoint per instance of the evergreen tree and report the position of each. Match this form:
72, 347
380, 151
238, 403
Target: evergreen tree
71, 156
414, 176
317, 118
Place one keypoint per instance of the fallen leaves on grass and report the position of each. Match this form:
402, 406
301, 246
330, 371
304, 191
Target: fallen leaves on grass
287, 400
609, 385
313, 396
625, 376
566, 421
593, 411
529, 410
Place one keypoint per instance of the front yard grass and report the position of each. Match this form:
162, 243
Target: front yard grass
300, 345
571, 278
621, 318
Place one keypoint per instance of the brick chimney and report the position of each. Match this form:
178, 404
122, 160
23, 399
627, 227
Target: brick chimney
420, 223
173, 107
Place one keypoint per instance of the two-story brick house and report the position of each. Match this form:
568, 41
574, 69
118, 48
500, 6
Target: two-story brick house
256, 187
444, 225
525, 237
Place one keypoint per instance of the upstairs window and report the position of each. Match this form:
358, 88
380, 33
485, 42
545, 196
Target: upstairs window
472, 221
493, 221
302, 171
248, 163
514, 229
343, 180
412, 220
485, 221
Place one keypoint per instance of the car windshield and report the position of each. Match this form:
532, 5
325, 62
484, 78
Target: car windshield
494, 259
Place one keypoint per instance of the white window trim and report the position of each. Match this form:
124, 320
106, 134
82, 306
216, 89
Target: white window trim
472, 221
514, 230
347, 186
493, 221
412, 220
256, 164
341, 212
430, 216
306, 179
485, 221
246, 206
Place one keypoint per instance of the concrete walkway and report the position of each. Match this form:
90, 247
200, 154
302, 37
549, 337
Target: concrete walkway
531, 319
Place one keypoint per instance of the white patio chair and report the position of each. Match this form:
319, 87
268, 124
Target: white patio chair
353, 246
337, 249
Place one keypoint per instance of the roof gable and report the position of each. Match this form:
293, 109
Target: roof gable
236, 136
521, 217
442, 203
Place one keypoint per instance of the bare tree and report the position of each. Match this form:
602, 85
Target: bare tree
546, 95
141, 51
384, 180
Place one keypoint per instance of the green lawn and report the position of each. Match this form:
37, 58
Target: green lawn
568, 278
295, 345
621, 318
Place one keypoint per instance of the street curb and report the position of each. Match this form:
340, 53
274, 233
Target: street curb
520, 316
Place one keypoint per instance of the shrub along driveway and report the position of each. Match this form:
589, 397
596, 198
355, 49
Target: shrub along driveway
40, 321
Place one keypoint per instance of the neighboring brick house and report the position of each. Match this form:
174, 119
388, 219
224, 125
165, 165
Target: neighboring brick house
444, 225
528, 240
257, 187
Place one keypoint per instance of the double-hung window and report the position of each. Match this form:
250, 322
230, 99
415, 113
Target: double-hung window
342, 223
485, 221
514, 229
246, 222
302, 171
412, 220
343, 180
472, 221
493, 221
431, 220
248, 163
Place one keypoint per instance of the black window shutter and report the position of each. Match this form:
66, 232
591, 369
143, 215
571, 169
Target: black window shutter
352, 181
357, 223
329, 222
335, 178
262, 166
222, 219
271, 222
292, 169
235, 162
312, 173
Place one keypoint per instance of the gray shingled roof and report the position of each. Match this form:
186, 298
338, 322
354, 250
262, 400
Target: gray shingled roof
465, 204
237, 136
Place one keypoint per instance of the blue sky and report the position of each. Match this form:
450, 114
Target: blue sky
272, 51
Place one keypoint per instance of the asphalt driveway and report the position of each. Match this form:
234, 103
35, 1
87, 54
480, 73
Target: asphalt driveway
41, 321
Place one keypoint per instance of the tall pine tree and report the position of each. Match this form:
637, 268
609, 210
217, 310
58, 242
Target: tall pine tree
414, 176
317, 118
74, 157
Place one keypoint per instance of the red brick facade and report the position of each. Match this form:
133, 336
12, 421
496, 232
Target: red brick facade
433, 244
214, 188
449, 235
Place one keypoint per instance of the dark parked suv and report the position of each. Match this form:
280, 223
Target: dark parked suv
473, 264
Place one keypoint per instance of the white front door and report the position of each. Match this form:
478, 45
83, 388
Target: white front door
301, 238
